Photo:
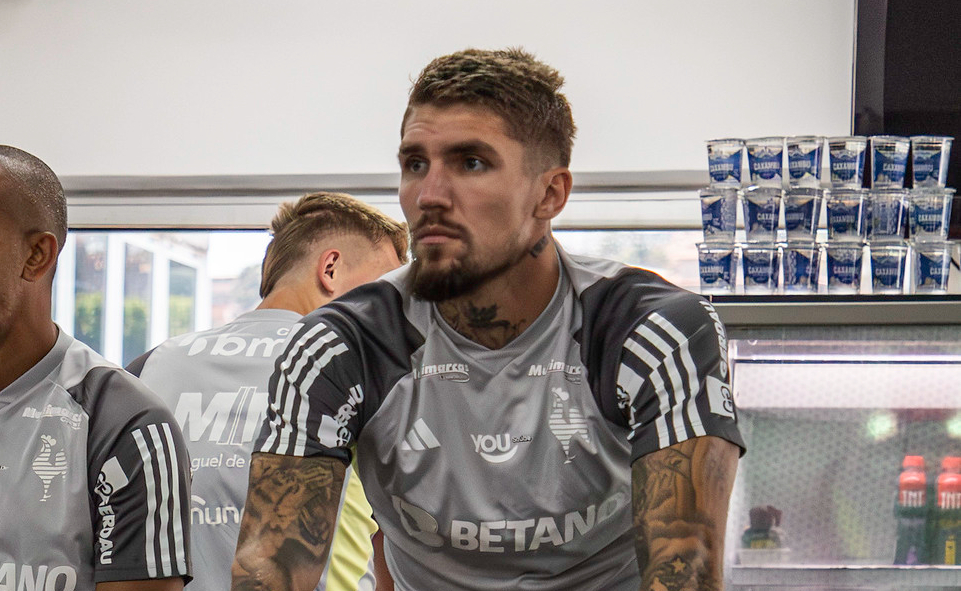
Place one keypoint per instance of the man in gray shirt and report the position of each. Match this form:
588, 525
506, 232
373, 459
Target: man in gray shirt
94, 474
215, 381
522, 418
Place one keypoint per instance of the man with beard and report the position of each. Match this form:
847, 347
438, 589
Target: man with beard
522, 418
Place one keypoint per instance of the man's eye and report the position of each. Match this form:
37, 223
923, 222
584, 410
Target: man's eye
414, 165
474, 164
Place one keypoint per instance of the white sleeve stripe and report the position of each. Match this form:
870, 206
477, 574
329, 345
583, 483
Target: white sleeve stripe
677, 386
302, 392
664, 402
628, 381
280, 403
151, 503
176, 511
694, 384
163, 477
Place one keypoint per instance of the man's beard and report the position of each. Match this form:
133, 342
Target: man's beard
462, 277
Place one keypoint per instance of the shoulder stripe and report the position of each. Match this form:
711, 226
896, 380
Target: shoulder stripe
303, 388
279, 399
694, 384
151, 485
177, 503
155, 469
664, 401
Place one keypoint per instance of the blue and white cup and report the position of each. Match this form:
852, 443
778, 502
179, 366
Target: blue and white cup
717, 265
889, 161
844, 260
887, 214
930, 155
846, 155
761, 266
804, 160
932, 265
762, 210
802, 212
930, 214
765, 161
724, 162
888, 263
846, 215
719, 213
801, 265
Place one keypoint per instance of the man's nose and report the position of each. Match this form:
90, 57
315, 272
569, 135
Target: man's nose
435, 189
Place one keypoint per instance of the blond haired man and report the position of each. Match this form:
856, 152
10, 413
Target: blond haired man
215, 381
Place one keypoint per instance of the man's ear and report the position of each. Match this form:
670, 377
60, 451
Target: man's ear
42, 256
557, 184
328, 269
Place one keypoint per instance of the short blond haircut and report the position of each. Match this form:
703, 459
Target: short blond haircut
297, 225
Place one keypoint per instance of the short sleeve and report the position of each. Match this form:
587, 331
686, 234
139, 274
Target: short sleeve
673, 379
316, 401
139, 476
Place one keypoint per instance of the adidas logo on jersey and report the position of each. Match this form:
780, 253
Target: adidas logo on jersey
419, 438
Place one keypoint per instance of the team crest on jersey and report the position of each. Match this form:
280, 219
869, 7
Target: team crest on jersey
50, 463
567, 423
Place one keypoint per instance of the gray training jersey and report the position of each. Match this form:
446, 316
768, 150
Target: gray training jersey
94, 477
509, 468
215, 382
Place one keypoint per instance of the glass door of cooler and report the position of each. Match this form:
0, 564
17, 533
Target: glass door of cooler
829, 413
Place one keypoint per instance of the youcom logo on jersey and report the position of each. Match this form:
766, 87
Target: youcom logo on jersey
499, 448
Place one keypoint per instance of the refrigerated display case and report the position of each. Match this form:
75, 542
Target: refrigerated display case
832, 393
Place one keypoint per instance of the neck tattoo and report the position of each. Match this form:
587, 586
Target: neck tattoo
480, 324
539, 247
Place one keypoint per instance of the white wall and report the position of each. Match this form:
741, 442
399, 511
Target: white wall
184, 87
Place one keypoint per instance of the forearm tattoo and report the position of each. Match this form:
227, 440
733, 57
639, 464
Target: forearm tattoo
680, 497
288, 522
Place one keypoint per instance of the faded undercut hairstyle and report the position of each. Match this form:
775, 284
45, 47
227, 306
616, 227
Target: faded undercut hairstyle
297, 225
42, 205
513, 84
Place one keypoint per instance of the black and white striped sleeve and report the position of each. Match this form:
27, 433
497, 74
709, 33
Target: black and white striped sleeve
139, 475
673, 378
316, 393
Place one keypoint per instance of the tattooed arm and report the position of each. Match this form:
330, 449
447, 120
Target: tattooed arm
681, 495
288, 522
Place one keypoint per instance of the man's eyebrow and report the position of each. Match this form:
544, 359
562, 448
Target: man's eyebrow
466, 147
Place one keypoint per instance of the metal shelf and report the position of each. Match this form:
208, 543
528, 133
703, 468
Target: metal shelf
827, 310
882, 576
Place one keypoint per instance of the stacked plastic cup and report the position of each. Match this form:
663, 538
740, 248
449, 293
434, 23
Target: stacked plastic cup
844, 260
889, 161
801, 265
765, 161
932, 264
886, 215
846, 156
929, 158
724, 162
804, 160
717, 265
